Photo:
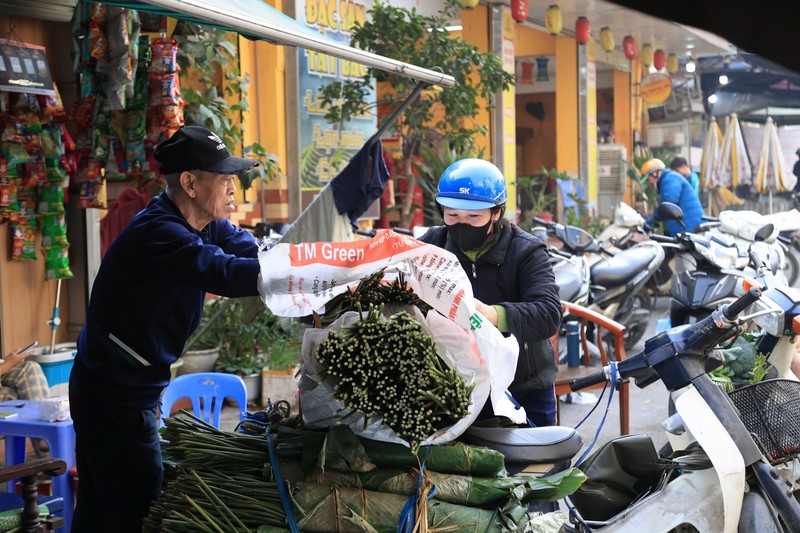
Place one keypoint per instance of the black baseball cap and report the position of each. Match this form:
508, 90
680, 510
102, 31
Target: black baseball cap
198, 148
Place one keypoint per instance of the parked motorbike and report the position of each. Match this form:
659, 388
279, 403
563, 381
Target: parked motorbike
713, 264
627, 228
617, 282
732, 460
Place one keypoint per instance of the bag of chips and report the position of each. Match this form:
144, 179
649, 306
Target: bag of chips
56, 264
54, 232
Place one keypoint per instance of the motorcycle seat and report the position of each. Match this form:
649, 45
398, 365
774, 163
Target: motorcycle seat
622, 267
528, 445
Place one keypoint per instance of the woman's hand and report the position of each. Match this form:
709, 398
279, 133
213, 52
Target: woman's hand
14, 359
487, 310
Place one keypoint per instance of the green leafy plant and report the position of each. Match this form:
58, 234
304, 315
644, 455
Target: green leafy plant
245, 338
211, 330
743, 365
210, 56
440, 114
535, 194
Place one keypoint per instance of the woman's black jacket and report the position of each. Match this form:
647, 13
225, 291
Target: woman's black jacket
516, 273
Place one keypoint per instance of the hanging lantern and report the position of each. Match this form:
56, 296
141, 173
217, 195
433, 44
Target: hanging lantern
519, 10
646, 55
469, 4
553, 21
629, 47
582, 31
527, 73
672, 63
659, 59
541, 68
607, 39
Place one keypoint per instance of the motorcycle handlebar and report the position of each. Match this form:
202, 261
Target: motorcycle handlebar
702, 335
663, 238
542, 222
742, 303
584, 382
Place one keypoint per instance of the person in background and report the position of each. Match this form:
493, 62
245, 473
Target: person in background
21, 379
146, 301
673, 187
511, 276
681, 166
796, 171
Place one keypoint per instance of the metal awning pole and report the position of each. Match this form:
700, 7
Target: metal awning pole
397, 112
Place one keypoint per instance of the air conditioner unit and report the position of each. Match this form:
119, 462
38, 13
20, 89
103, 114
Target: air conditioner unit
611, 177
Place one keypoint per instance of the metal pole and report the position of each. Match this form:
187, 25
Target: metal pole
56, 320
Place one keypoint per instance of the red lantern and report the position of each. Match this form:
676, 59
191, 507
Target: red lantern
519, 10
582, 30
629, 47
659, 59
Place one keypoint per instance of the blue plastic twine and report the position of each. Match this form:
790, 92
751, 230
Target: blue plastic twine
284, 496
408, 517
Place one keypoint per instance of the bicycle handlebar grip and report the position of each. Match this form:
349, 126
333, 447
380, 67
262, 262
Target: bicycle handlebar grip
733, 309
587, 381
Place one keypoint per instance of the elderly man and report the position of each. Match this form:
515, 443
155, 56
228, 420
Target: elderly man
146, 301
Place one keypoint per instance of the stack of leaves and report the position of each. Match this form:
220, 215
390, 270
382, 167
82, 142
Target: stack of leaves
390, 368
371, 290
336, 482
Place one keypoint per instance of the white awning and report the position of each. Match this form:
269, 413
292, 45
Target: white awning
258, 20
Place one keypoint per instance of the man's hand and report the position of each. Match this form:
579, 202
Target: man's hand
487, 310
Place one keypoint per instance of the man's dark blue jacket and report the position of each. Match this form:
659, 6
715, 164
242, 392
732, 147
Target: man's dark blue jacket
148, 296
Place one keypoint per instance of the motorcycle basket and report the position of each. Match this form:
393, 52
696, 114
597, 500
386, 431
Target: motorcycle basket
769, 412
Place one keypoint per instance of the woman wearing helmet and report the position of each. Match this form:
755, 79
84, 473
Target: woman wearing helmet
510, 273
673, 187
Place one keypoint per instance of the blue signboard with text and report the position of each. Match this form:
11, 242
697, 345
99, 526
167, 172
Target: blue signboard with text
326, 147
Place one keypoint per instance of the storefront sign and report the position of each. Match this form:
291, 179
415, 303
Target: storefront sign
326, 147
656, 88
24, 69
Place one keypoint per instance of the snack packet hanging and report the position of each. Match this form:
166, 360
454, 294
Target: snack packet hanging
56, 264
164, 56
23, 245
54, 232
51, 199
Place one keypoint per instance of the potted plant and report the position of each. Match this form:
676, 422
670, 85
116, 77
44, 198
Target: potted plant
279, 377
535, 199
249, 330
201, 351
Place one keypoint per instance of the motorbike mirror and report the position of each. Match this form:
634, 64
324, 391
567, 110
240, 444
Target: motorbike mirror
764, 232
669, 211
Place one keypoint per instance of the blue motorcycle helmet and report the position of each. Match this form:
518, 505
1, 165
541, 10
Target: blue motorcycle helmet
472, 185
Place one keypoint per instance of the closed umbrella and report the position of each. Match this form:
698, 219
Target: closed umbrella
735, 168
711, 155
773, 172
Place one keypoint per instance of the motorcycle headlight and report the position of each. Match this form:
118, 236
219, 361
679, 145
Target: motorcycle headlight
771, 322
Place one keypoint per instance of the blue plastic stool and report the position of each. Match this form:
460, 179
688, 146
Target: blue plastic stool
569, 190
60, 436
212, 388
